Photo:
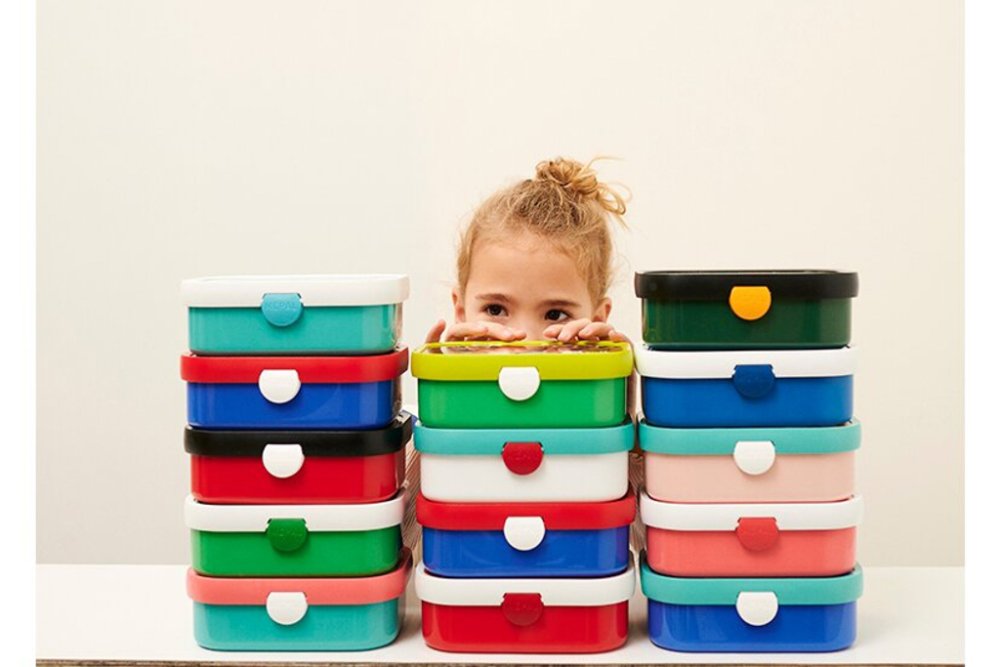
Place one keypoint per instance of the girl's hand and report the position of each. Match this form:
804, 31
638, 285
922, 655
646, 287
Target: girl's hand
462, 331
583, 329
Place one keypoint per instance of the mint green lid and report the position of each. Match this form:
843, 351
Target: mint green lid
490, 442
721, 441
724, 590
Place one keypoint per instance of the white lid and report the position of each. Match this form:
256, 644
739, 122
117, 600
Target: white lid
722, 363
314, 290
592, 592
323, 518
788, 516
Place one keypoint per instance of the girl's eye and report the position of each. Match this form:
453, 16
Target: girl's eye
555, 315
494, 310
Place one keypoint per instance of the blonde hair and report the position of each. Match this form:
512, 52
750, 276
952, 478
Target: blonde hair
563, 203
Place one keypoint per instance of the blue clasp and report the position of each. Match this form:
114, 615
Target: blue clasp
281, 310
754, 380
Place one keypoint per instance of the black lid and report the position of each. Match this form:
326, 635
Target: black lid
314, 443
711, 285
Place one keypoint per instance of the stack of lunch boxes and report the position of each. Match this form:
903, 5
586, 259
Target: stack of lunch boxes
525, 505
749, 443
296, 443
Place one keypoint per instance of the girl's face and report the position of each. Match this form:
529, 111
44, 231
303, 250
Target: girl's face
525, 283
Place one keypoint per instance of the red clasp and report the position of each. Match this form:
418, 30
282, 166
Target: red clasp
757, 533
522, 458
522, 609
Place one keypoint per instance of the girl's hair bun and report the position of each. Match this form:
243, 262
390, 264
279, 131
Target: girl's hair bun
580, 182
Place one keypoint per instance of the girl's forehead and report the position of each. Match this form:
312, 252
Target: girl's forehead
525, 269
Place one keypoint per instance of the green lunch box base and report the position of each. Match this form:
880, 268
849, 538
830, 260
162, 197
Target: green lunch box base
317, 330
295, 553
705, 325
556, 404
323, 628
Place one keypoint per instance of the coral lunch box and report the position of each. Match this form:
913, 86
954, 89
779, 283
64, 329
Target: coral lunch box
535, 384
752, 615
295, 540
526, 539
747, 388
524, 465
545, 615
297, 467
749, 465
751, 540
305, 315
703, 310
312, 614
283, 393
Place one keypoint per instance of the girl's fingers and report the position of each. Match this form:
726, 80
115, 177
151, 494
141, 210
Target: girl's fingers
552, 331
571, 329
483, 331
434, 335
596, 331
465, 331
618, 337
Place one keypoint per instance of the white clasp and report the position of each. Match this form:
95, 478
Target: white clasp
283, 461
754, 457
757, 608
524, 533
519, 383
287, 608
279, 386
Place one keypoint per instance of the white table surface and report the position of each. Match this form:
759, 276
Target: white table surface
127, 614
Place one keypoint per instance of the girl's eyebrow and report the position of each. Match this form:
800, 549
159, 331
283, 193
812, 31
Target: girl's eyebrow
495, 296
557, 303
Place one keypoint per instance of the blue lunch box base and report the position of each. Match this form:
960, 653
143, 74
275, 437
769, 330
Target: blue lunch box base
323, 628
711, 628
706, 403
359, 405
562, 553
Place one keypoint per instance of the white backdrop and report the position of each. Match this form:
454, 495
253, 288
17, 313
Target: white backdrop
178, 139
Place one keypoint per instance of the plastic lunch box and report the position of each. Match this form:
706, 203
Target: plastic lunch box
526, 539
751, 540
295, 540
747, 388
749, 465
524, 465
313, 614
746, 309
284, 393
752, 615
545, 615
488, 384
297, 467
318, 314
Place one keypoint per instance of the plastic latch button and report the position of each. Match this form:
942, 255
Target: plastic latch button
754, 457
754, 380
522, 609
522, 458
287, 535
286, 608
757, 608
281, 310
524, 533
757, 533
283, 461
519, 383
750, 302
279, 386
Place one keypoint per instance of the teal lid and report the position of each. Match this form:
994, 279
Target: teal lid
724, 591
722, 441
490, 442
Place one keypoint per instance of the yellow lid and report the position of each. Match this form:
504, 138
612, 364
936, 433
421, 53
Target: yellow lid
483, 360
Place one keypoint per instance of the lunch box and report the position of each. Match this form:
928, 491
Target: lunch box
751, 540
747, 388
812, 614
304, 315
544, 615
526, 539
749, 465
524, 465
310, 614
284, 393
297, 467
703, 310
295, 540
491, 384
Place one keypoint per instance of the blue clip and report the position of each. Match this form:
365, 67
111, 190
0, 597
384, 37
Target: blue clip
754, 380
281, 310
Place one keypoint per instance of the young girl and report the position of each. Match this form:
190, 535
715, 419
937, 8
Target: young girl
534, 262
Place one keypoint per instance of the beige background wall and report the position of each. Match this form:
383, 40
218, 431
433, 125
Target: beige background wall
178, 139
